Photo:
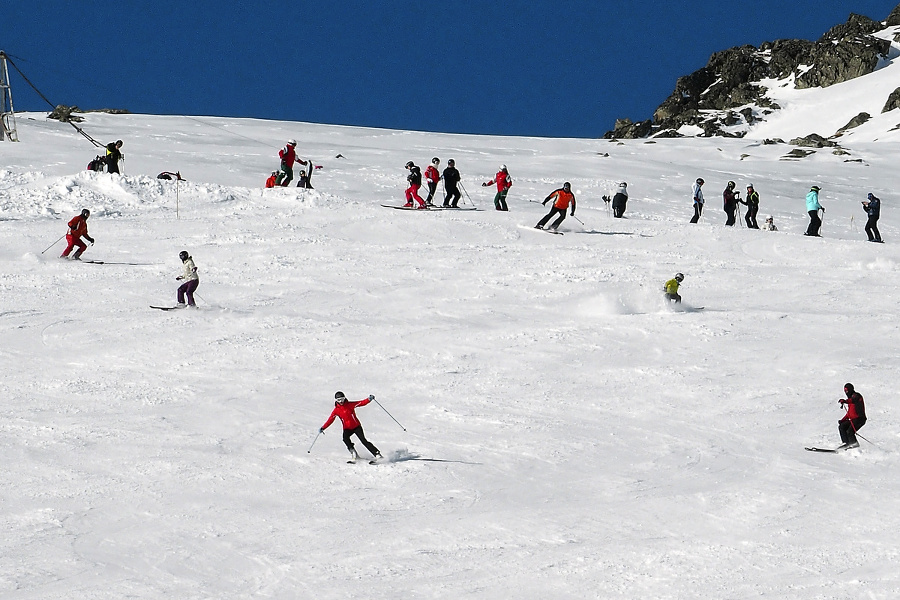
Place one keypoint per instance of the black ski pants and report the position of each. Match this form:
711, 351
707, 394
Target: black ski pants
730, 209
358, 432
814, 223
848, 429
553, 211
452, 192
750, 217
872, 229
618, 205
698, 210
432, 188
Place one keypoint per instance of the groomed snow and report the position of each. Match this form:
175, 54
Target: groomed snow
568, 435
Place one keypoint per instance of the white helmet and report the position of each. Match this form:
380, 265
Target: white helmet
502, 167
292, 142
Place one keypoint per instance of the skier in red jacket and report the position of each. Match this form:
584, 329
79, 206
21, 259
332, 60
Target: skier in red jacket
346, 412
855, 417
288, 158
77, 229
504, 182
432, 176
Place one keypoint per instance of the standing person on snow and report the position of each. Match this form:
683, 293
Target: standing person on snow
415, 182
671, 288
190, 278
77, 230
288, 156
855, 418
504, 182
563, 198
451, 181
752, 202
813, 207
113, 156
346, 412
873, 208
620, 199
731, 199
432, 176
697, 194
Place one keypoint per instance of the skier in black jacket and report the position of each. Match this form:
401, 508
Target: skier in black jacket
873, 208
451, 178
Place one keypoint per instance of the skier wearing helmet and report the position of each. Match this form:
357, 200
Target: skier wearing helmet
504, 182
812, 208
451, 182
620, 199
415, 182
731, 198
346, 412
872, 206
77, 230
113, 156
190, 278
432, 176
562, 198
855, 417
671, 288
697, 194
288, 157
752, 202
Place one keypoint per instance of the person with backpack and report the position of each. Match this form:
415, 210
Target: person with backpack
671, 288
752, 202
288, 156
562, 198
697, 193
731, 199
855, 417
872, 206
812, 208
451, 185
346, 412
113, 156
415, 182
97, 164
190, 278
432, 176
504, 182
619, 200
77, 230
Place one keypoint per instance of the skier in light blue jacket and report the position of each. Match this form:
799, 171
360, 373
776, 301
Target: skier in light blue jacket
813, 207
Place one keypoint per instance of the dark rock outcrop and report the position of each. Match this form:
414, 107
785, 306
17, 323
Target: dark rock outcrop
63, 114
894, 18
855, 121
716, 97
813, 140
893, 101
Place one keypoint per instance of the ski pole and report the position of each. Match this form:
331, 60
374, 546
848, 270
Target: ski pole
579, 220
54, 243
314, 441
467, 196
386, 410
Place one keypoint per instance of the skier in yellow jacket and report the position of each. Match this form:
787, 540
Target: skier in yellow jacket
671, 288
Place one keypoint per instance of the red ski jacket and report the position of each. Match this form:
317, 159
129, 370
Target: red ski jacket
289, 156
431, 174
503, 180
78, 227
346, 412
856, 407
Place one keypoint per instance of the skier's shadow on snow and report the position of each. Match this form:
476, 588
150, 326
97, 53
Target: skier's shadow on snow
405, 457
596, 232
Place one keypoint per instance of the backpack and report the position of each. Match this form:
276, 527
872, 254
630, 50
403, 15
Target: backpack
97, 164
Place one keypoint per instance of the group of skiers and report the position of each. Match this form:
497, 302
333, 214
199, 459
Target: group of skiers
285, 174
731, 199
110, 160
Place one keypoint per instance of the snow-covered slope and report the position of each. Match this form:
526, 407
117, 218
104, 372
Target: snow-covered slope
567, 435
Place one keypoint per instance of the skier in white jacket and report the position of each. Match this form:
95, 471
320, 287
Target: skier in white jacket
697, 194
190, 278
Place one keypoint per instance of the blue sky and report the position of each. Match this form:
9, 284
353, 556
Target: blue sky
558, 69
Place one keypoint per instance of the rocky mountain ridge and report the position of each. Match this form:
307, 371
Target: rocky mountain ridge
728, 95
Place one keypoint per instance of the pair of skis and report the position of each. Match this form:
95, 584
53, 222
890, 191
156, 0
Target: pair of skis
840, 448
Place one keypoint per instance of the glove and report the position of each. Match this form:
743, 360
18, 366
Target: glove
371, 396
544, 203
485, 184
179, 278
321, 430
572, 214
